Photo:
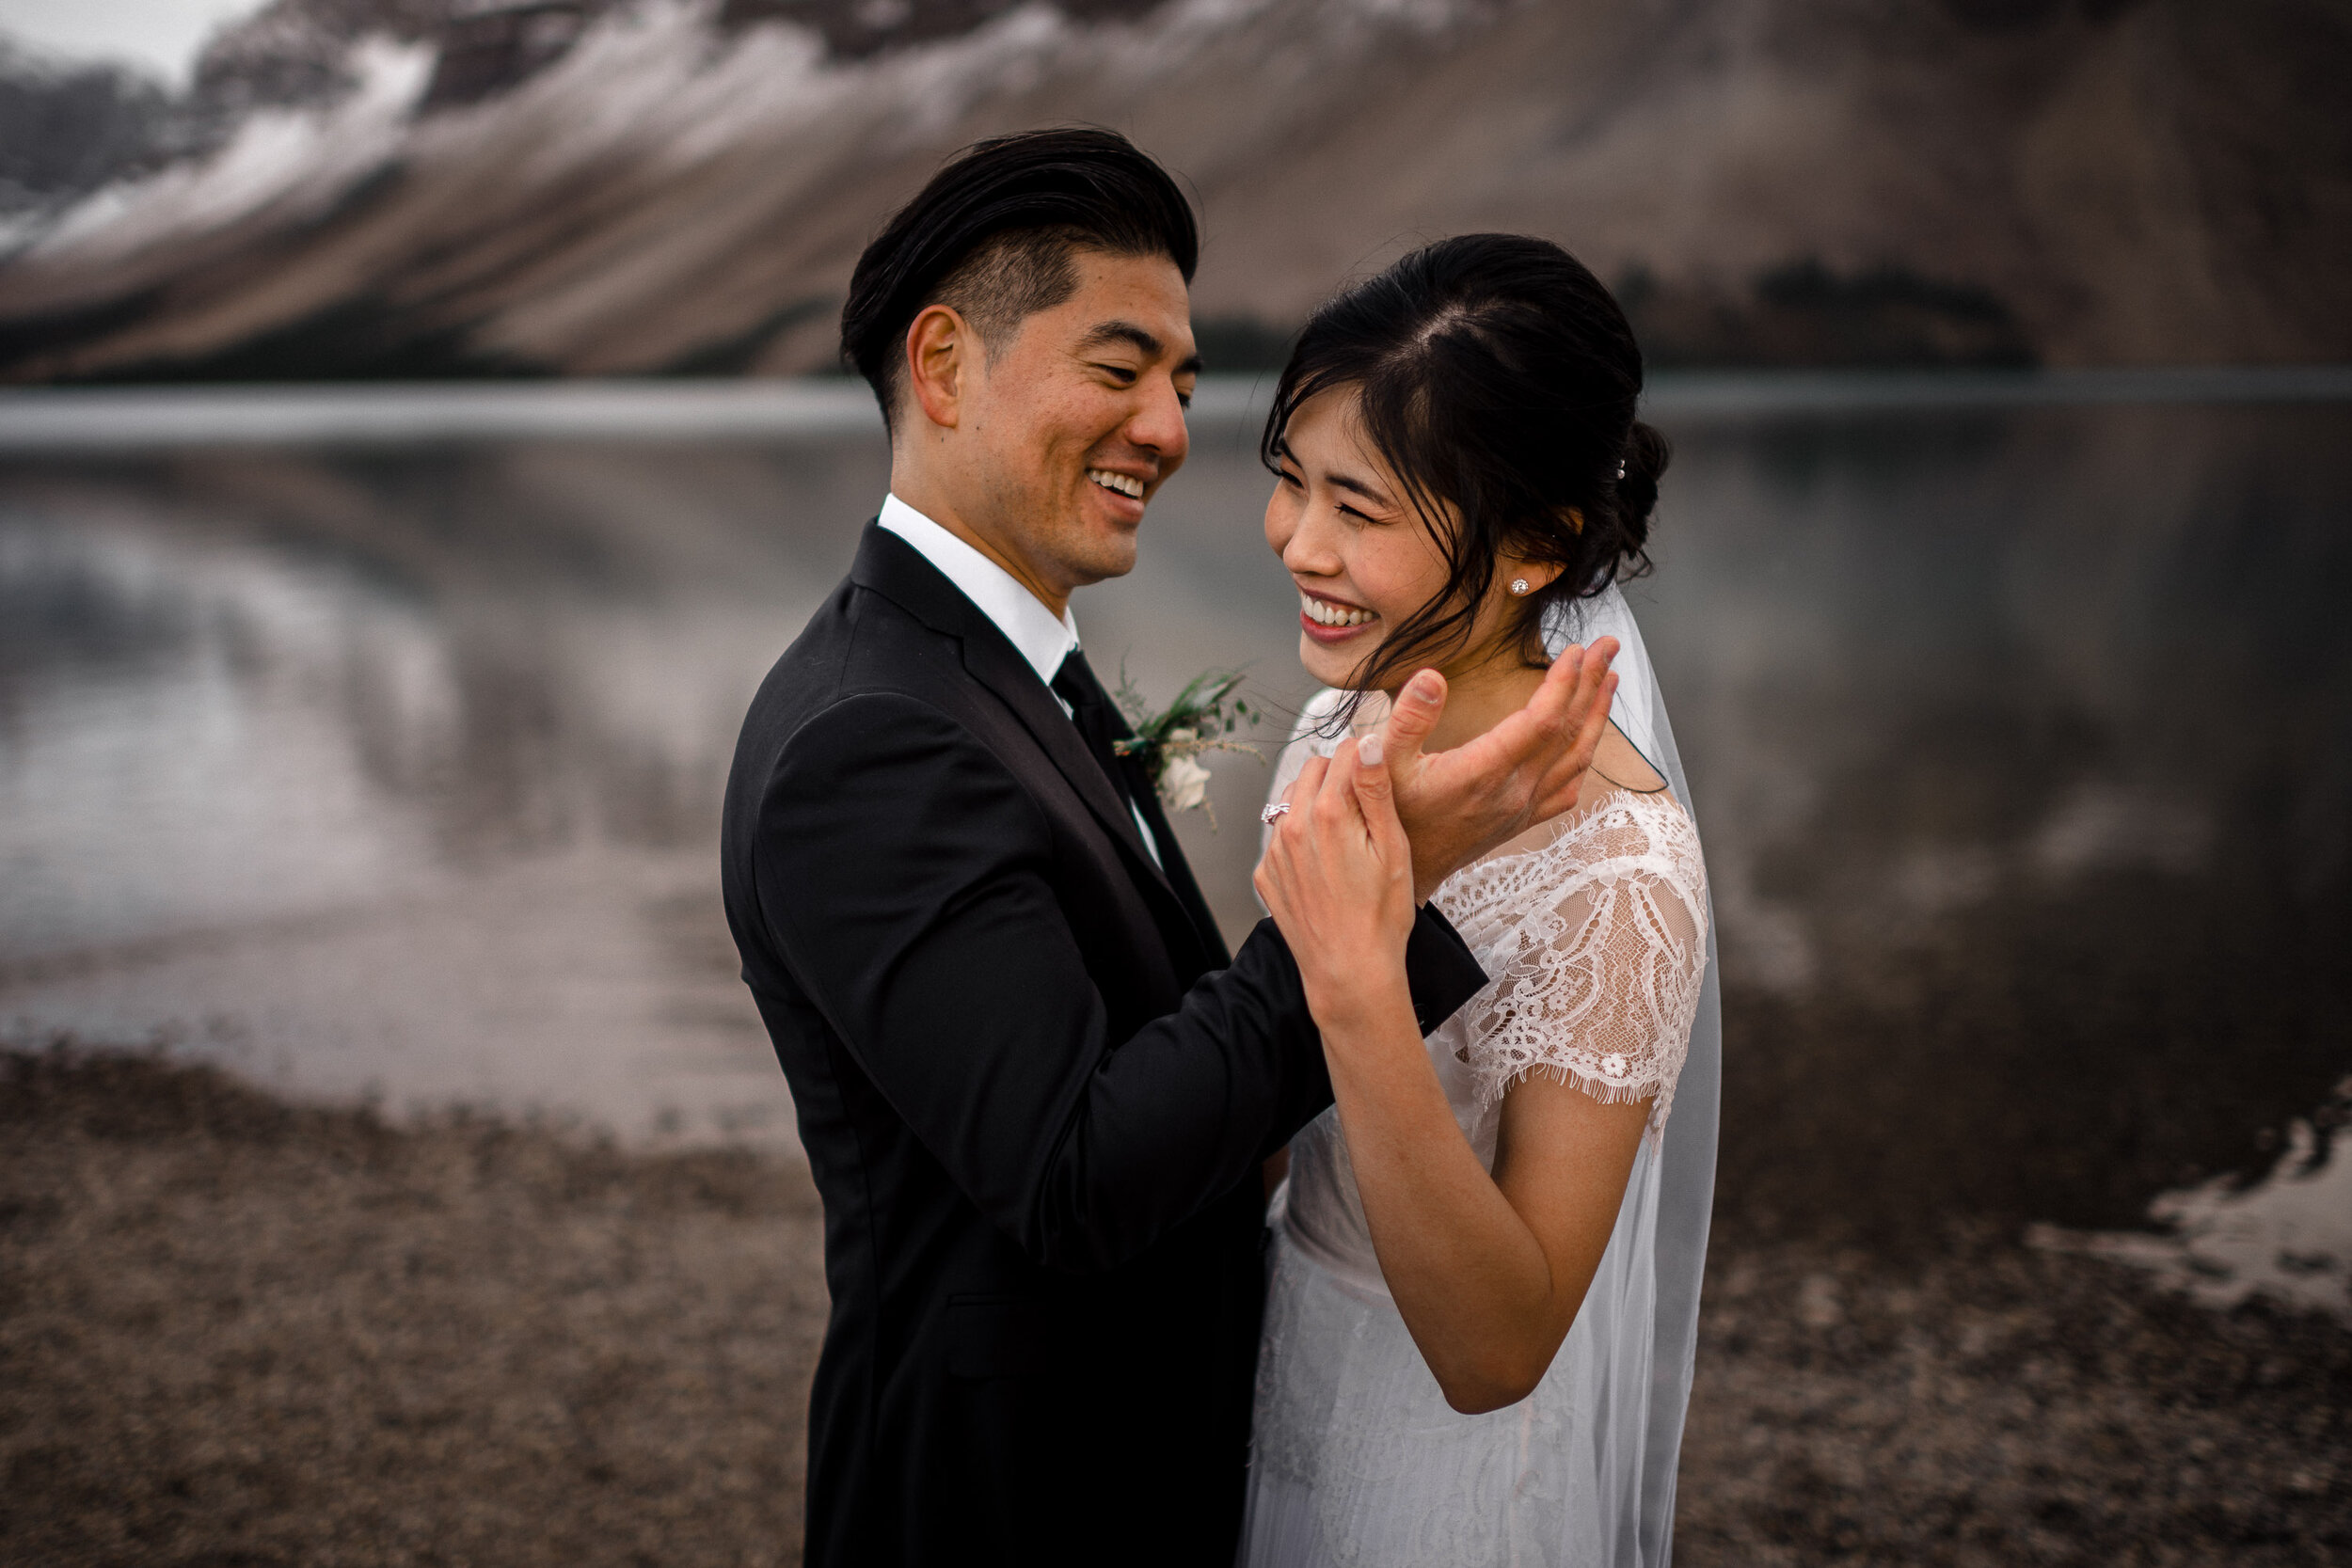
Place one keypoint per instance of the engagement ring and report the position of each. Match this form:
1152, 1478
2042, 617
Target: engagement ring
1273, 811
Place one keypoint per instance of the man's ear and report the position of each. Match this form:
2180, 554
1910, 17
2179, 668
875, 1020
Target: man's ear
941, 353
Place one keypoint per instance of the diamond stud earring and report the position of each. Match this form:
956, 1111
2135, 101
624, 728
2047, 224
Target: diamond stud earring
1518, 585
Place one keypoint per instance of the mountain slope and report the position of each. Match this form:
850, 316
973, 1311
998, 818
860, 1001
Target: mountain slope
669, 189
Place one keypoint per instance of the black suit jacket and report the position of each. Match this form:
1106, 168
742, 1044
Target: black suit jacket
1034, 1091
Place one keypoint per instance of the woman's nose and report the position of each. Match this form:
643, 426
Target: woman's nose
1311, 549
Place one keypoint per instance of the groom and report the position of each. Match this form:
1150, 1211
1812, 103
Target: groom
1033, 1088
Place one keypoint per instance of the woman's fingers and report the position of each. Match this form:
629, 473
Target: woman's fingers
1376, 798
1372, 770
1337, 799
1334, 877
1305, 787
1301, 799
1357, 833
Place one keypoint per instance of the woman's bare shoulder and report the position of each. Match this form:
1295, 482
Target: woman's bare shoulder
1617, 764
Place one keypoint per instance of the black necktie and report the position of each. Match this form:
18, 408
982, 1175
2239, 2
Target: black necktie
1090, 709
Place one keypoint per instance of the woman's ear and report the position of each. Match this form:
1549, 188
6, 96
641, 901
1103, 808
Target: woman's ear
1524, 579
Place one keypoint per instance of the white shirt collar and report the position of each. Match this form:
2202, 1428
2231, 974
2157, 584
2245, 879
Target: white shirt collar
1040, 638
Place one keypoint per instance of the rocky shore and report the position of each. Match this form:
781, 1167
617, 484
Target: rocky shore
238, 1332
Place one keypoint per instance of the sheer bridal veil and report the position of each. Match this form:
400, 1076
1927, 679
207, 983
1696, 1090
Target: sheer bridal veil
1686, 1173
1686, 1193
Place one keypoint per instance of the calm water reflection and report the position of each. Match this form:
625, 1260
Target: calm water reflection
2022, 739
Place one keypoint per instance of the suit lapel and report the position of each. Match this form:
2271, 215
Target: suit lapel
995, 664
1178, 869
891, 566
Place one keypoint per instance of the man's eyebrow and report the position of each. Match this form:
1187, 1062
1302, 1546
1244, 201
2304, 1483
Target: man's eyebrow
1107, 333
1142, 339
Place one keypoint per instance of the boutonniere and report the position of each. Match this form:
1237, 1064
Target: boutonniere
1170, 742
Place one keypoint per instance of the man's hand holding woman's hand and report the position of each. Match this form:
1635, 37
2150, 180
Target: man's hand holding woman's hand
1372, 831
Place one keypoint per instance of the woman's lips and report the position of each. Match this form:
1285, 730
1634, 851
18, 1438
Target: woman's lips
1328, 620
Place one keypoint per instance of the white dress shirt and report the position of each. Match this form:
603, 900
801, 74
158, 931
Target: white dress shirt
1042, 639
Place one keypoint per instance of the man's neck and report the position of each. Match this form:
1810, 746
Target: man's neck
933, 502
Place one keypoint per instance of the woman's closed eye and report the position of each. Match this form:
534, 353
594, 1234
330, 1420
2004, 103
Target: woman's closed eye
1359, 512
1290, 479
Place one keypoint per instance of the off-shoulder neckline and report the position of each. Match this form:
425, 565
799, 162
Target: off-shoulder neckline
1569, 823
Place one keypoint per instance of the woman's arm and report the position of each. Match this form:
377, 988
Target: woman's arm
1489, 1271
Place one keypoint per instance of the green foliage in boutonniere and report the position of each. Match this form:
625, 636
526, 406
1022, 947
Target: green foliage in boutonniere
1171, 741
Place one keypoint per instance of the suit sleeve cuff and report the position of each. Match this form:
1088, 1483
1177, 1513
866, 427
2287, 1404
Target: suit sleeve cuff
1440, 969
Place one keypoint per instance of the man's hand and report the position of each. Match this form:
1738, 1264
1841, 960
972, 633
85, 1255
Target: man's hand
1457, 805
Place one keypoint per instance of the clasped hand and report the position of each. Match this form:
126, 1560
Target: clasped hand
1458, 804
1337, 876
1372, 831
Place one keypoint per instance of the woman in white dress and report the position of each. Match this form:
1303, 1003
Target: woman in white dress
1485, 1281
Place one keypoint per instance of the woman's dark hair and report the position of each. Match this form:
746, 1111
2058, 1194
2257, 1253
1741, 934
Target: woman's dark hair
1494, 372
992, 235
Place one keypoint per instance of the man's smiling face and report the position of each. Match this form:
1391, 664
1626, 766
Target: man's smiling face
1070, 428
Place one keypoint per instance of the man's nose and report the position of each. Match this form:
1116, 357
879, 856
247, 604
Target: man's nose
1160, 425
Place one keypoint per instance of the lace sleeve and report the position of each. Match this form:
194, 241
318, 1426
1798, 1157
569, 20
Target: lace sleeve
1597, 943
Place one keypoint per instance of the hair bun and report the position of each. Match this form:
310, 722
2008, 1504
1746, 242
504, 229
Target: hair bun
1647, 455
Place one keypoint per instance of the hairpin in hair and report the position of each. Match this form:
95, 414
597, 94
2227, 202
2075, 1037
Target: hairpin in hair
1621, 469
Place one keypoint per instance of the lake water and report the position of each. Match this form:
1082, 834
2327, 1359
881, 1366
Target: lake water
374, 750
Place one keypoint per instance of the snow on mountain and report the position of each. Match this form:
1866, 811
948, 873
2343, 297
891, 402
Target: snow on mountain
558, 187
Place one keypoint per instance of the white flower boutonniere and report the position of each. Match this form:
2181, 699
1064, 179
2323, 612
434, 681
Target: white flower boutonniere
1170, 742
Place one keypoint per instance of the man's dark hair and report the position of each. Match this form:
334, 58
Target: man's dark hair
992, 236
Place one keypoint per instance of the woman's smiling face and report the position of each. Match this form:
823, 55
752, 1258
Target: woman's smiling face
1362, 558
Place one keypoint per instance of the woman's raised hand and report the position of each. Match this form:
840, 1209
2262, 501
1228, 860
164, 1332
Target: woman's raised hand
1337, 876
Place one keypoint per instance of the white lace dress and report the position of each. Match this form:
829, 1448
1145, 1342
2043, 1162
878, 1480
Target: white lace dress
1593, 929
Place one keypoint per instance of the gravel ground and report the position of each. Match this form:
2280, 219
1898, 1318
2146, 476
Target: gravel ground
235, 1334
1993, 1405
238, 1335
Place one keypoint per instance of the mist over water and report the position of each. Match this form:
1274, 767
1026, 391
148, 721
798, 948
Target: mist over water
2020, 738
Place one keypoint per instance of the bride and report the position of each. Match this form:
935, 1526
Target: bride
1484, 1284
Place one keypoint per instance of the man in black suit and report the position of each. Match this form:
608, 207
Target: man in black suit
1035, 1091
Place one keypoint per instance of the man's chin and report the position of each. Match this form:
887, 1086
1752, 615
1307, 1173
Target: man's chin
1104, 557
